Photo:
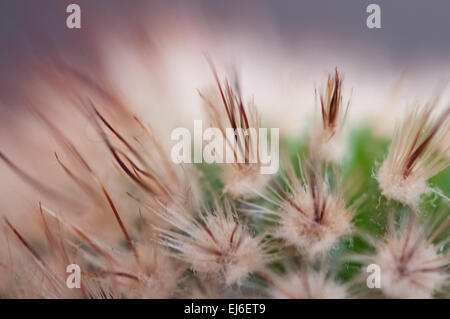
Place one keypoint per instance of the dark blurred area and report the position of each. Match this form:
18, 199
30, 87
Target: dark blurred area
409, 27
412, 31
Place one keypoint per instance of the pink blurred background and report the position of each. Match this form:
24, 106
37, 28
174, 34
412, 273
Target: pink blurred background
151, 54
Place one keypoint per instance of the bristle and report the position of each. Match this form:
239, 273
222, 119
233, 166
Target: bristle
326, 142
216, 245
414, 156
312, 216
229, 111
411, 267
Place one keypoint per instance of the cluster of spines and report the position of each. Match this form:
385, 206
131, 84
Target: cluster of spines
215, 243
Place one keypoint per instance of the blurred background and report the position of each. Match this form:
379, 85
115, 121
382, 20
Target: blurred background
152, 55
156, 49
